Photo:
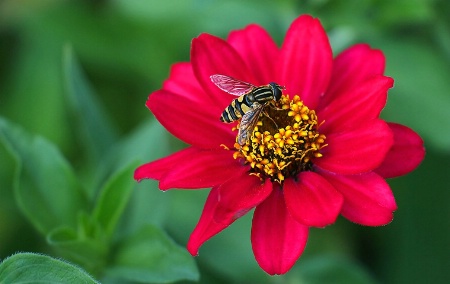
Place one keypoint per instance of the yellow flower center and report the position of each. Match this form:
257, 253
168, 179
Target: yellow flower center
284, 141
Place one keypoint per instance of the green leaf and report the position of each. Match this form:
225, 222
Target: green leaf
81, 249
46, 188
147, 204
150, 256
332, 269
94, 127
114, 196
35, 268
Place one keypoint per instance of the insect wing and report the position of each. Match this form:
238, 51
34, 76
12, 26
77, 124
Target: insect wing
248, 123
231, 85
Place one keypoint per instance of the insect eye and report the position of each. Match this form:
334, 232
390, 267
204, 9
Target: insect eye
276, 91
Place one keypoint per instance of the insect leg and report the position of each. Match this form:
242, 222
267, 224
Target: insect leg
267, 115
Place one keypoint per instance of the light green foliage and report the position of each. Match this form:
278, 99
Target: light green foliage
149, 256
74, 78
95, 131
46, 188
80, 219
36, 268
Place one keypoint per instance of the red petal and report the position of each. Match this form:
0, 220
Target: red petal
363, 102
240, 194
368, 200
194, 122
205, 168
156, 169
277, 239
183, 82
258, 50
306, 60
191, 168
211, 55
207, 226
312, 200
405, 155
352, 67
356, 151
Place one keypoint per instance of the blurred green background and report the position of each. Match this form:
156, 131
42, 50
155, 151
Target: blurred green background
125, 49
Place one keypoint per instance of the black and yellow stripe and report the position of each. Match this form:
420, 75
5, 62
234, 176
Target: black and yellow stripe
243, 104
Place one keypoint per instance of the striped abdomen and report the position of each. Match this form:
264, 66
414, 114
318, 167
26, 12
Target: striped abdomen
243, 104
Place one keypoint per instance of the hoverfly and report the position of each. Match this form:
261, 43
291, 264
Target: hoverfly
249, 105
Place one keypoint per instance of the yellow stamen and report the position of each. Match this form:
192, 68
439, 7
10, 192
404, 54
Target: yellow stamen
285, 141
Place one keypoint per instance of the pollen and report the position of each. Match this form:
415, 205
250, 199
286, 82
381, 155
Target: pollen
284, 142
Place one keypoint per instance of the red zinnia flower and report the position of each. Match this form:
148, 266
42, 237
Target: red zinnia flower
320, 151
